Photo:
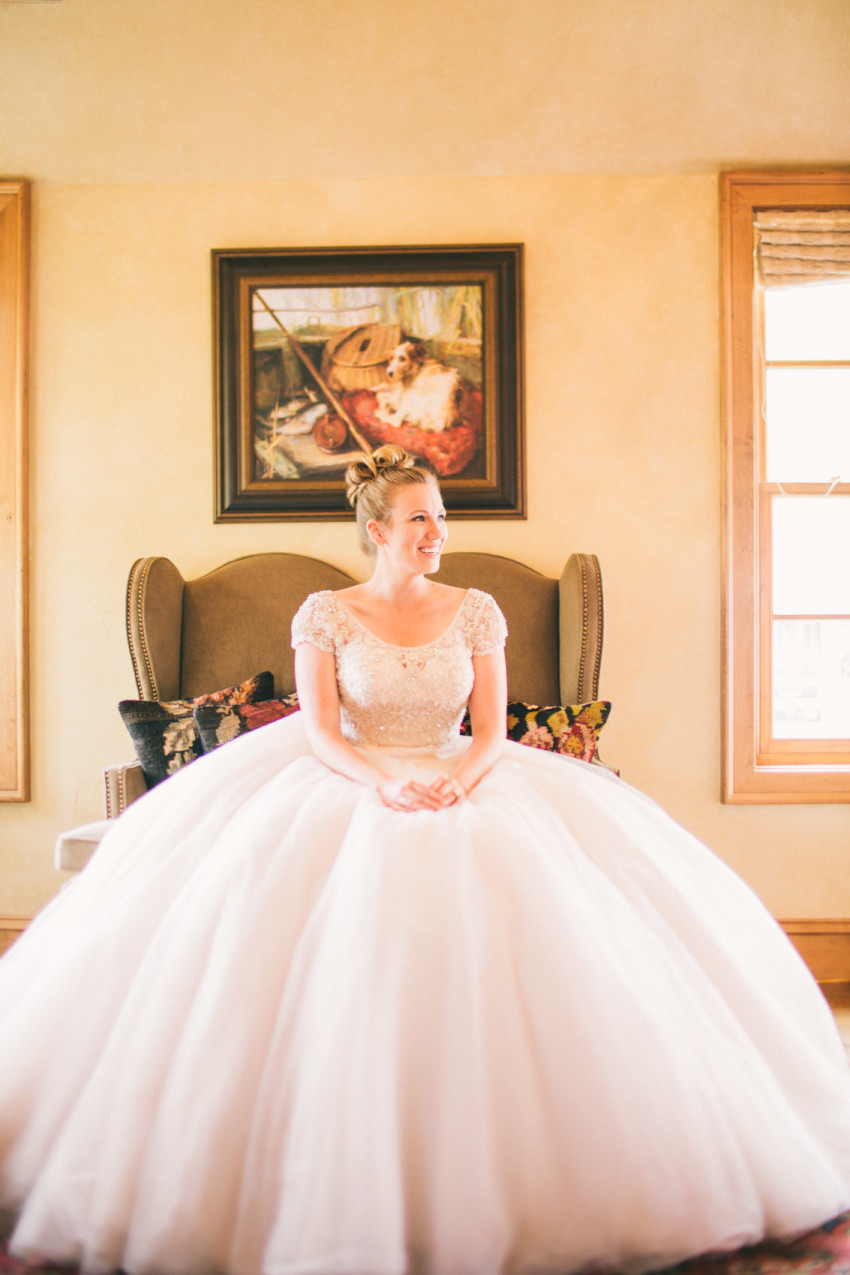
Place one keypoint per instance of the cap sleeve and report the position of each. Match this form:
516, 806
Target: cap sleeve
313, 622
490, 629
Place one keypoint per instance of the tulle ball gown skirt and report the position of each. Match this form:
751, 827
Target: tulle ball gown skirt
276, 1028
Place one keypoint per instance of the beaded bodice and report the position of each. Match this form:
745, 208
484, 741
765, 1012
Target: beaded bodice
401, 696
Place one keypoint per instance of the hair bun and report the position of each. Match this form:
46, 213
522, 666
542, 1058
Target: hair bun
359, 473
367, 467
391, 456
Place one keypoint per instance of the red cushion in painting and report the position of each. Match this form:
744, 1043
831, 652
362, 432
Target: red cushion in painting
449, 450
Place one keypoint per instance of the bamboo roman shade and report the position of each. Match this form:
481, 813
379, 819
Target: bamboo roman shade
798, 246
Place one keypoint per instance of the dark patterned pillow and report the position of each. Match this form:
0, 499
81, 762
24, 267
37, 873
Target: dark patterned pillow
164, 733
218, 723
573, 729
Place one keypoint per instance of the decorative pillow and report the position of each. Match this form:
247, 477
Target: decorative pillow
164, 733
573, 730
218, 723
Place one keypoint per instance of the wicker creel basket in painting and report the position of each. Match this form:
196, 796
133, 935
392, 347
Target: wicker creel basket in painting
356, 359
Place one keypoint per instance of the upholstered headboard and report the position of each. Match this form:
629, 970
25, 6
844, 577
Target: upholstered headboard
188, 637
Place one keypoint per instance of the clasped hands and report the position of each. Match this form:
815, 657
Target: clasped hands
410, 794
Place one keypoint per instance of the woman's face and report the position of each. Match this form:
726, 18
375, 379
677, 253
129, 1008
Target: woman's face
415, 533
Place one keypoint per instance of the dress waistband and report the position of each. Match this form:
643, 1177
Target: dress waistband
457, 745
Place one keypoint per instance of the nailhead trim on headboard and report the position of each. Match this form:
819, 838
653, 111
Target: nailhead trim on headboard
136, 586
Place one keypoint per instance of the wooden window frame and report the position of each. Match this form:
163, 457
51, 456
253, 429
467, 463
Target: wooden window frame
14, 534
757, 770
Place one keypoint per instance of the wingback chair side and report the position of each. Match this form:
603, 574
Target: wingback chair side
580, 644
154, 624
189, 637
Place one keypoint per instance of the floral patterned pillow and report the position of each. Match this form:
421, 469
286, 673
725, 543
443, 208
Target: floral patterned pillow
218, 723
164, 733
573, 729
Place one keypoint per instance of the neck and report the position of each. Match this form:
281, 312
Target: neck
397, 587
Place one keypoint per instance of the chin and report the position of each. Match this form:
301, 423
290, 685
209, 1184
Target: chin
430, 564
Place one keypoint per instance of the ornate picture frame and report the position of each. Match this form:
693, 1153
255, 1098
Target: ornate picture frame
321, 353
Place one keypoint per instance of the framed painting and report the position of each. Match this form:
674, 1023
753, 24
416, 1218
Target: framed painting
323, 353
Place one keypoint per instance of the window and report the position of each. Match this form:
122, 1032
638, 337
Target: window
786, 349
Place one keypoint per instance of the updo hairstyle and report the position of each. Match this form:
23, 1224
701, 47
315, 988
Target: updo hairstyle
372, 481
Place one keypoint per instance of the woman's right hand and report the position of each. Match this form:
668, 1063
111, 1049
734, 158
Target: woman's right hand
409, 794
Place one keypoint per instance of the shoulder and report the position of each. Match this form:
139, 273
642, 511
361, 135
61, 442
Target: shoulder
485, 623
315, 621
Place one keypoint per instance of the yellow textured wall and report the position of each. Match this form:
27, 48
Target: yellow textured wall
156, 133
201, 90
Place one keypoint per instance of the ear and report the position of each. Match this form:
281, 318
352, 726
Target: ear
374, 532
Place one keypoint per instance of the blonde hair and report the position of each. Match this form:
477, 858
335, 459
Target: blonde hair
372, 481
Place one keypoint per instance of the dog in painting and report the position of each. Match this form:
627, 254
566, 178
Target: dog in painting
422, 391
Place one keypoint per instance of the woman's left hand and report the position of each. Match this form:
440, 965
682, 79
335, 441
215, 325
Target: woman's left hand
450, 790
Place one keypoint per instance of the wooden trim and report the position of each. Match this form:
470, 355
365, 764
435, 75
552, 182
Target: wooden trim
764, 566
14, 533
787, 752
14, 326
824, 945
805, 363
749, 776
805, 489
738, 396
11, 928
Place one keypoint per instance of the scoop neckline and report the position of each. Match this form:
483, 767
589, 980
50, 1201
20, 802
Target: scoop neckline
394, 646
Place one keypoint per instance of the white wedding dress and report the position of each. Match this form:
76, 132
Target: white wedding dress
275, 1027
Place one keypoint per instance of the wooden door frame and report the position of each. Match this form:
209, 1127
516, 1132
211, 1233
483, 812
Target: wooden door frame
14, 525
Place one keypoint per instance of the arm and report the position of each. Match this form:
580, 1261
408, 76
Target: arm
487, 712
318, 696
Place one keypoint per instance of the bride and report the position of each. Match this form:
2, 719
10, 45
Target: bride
354, 995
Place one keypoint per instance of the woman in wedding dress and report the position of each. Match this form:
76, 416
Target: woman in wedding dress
353, 995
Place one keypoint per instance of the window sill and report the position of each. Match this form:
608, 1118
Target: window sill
788, 785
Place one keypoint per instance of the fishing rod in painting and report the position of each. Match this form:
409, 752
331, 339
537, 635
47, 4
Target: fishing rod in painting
320, 381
